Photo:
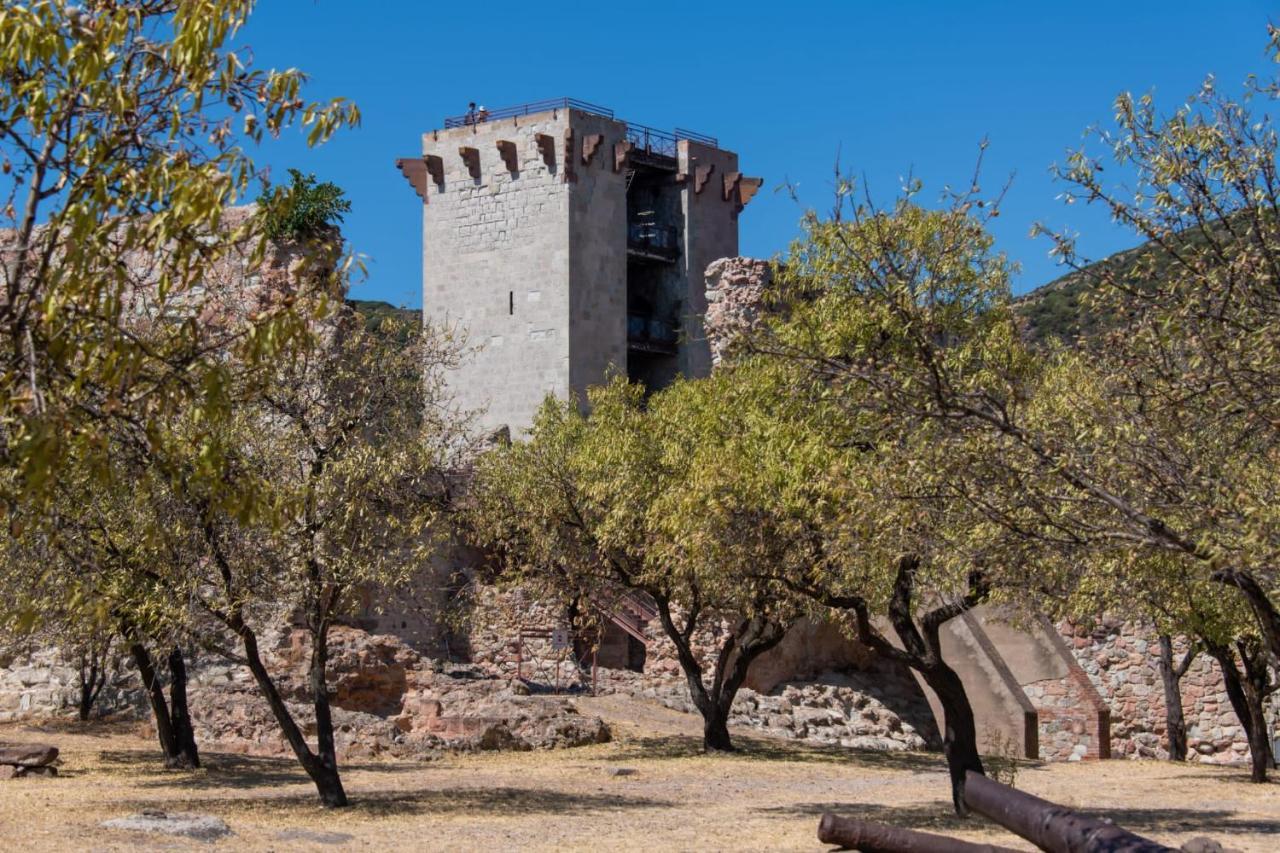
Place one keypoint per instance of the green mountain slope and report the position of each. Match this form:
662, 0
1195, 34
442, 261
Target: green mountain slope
378, 314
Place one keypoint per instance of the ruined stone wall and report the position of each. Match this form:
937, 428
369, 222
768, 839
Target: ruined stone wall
1070, 726
39, 680
1120, 659
735, 290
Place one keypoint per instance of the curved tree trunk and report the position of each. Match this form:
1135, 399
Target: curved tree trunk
959, 736
922, 651
323, 774
750, 639
155, 697
1171, 678
1247, 703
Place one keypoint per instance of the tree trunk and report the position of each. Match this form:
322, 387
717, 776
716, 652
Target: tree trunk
327, 754
922, 651
185, 755
752, 638
155, 696
324, 775
1248, 707
959, 736
1175, 720
715, 731
93, 677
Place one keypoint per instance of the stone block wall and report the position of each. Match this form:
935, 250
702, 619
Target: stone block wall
40, 681
524, 248
1072, 725
1120, 659
496, 262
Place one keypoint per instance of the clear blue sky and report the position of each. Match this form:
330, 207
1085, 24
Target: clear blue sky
894, 86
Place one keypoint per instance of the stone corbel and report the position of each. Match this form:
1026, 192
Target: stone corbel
747, 189
621, 151
415, 171
547, 147
590, 143
702, 174
471, 157
507, 151
569, 175
730, 189
435, 168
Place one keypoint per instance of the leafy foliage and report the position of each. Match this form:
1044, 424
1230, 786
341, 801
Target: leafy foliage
121, 130
304, 209
385, 318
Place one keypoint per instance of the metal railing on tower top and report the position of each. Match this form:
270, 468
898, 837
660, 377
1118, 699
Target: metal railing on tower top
644, 138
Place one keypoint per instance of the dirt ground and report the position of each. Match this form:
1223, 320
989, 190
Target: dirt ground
767, 797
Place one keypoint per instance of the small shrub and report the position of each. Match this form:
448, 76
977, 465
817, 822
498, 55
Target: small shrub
304, 208
1002, 757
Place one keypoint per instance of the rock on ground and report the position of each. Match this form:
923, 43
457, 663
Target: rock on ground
27, 754
200, 827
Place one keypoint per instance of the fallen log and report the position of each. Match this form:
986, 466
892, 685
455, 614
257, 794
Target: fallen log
871, 837
1050, 826
27, 754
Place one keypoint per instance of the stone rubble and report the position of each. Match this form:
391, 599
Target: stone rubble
852, 709
387, 700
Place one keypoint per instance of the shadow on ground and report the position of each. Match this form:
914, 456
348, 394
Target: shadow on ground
95, 728
485, 802
932, 816
762, 749
220, 770
1188, 820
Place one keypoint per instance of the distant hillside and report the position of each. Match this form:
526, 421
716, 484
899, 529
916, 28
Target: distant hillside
1061, 309
377, 314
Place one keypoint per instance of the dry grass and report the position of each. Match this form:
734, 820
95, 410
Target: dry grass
768, 797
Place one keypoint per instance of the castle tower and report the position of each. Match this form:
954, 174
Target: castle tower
567, 244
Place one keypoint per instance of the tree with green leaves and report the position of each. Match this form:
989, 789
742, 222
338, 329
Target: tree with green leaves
123, 129
1160, 437
900, 315
1187, 416
350, 450
663, 498
79, 572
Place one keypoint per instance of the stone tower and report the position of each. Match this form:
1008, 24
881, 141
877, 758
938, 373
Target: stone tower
567, 244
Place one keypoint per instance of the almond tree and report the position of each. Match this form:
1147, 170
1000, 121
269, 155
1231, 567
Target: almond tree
79, 572
1192, 364
349, 451
601, 503
122, 128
